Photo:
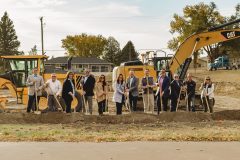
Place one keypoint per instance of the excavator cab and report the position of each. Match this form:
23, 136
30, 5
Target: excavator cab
18, 68
161, 63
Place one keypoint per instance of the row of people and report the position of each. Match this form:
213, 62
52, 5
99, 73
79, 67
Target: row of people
122, 91
55, 89
165, 90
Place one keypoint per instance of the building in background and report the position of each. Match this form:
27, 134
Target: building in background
96, 65
202, 63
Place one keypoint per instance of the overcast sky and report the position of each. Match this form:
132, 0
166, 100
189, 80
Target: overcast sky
145, 22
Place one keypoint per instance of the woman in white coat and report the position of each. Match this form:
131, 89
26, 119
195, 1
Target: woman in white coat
119, 91
207, 94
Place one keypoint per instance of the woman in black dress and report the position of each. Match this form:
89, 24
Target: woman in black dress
68, 91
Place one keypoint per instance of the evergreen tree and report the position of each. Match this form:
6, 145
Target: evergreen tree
128, 53
9, 43
112, 50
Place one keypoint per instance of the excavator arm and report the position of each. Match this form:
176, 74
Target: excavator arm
197, 41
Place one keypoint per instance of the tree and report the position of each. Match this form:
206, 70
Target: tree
33, 50
195, 19
112, 50
84, 45
9, 43
232, 47
128, 53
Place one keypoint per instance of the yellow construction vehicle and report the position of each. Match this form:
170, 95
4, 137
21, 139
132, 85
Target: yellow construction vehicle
196, 42
17, 69
179, 63
137, 66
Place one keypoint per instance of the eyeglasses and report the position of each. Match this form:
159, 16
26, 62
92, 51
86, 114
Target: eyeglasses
102, 77
208, 79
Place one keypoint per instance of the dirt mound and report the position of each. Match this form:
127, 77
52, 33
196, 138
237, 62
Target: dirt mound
136, 118
227, 115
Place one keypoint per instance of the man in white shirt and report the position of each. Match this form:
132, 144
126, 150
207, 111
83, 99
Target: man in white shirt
54, 89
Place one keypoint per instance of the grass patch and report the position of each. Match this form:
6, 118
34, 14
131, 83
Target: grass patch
203, 131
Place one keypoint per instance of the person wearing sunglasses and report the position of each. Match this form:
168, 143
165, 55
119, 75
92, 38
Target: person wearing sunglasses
101, 90
207, 94
54, 89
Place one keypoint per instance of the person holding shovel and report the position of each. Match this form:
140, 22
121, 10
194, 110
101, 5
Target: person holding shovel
101, 94
54, 89
163, 91
88, 84
190, 95
35, 84
68, 91
176, 87
132, 90
207, 94
119, 93
147, 85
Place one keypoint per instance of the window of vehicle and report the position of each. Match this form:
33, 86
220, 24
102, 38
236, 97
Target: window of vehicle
17, 65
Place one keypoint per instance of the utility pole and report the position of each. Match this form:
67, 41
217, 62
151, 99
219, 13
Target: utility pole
41, 19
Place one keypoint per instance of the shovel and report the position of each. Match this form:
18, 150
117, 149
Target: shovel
179, 96
36, 101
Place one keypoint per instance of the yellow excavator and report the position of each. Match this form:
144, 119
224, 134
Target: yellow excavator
197, 41
18, 68
179, 63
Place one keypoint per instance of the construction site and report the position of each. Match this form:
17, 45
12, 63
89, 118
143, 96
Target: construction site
222, 125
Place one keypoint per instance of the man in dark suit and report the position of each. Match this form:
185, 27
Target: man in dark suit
88, 84
132, 88
175, 92
163, 91
190, 86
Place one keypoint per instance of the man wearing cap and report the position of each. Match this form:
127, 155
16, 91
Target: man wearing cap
35, 84
88, 84
175, 92
54, 89
163, 90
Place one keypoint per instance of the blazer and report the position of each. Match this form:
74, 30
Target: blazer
89, 85
118, 92
67, 87
37, 86
165, 86
133, 87
175, 89
99, 92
